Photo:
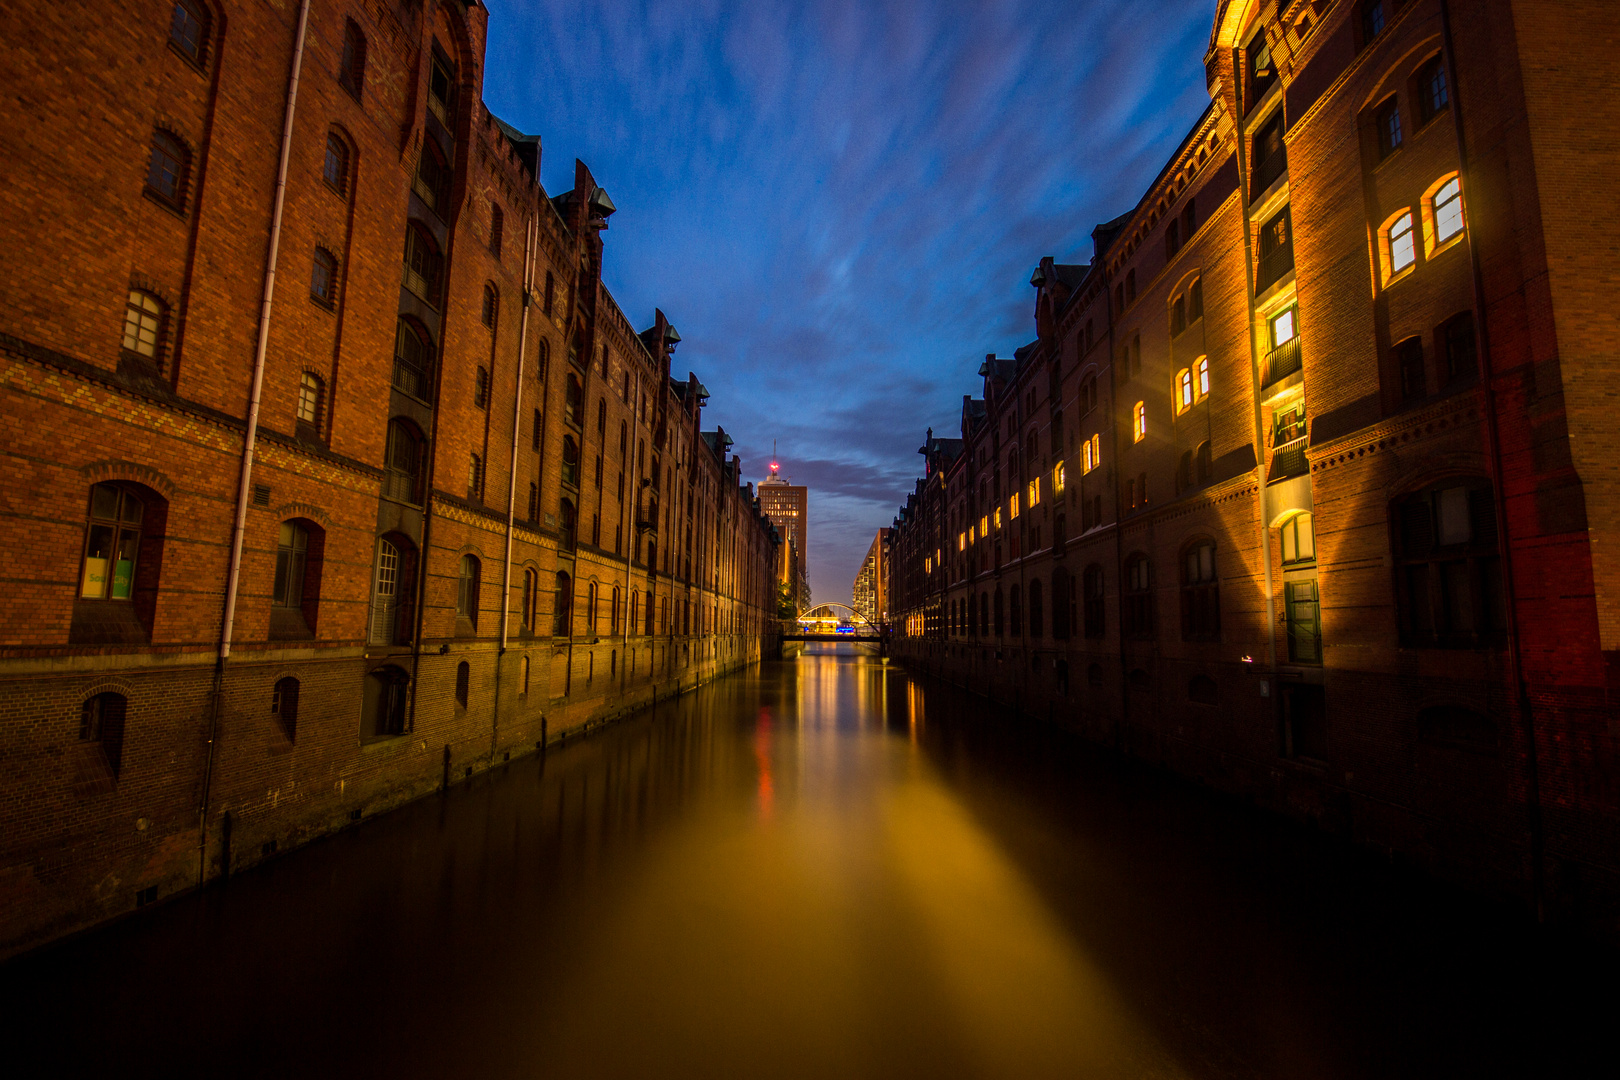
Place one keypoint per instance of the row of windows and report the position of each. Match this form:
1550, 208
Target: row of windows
1441, 210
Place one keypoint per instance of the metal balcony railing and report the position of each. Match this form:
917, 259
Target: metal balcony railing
1289, 460
1273, 265
1284, 360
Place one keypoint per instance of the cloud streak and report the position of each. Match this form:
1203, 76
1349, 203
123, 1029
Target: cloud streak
839, 204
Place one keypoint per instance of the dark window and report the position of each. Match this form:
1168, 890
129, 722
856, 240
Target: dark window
422, 264
481, 388
1262, 71
1189, 219
574, 402
1409, 361
551, 290
475, 475
1088, 394
1015, 611
1389, 128
1302, 612
536, 429
292, 553
1205, 464
442, 90
388, 689
284, 706
996, 607
352, 68
1178, 316
1095, 617
1195, 301
1448, 567
167, 168
188, 29
564, 619
467, 589
531, 586
323, 278
402, 466
1172, 238
112, 544
534, 502
413, 360
101, 723
336, 170
1276, 249
1372, 20
1458, 336
567, 523
432, 183
1433, 96
570, 461
463, 681
1270, 156
492, 306
1138, 613
1119, 297
1200, 594
393, 591
497, 225
1130, 286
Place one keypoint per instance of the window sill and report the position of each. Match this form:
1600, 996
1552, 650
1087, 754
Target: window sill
328, 306
1392, 280
1446, 245
158, 200
199, 64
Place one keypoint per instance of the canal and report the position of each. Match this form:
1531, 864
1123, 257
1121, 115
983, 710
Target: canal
818, 868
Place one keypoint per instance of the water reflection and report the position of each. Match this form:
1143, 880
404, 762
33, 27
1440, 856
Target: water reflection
821, 868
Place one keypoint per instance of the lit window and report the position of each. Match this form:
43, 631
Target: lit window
309, 399
961, 541
1139, 422
143, 323
998, 517
1184, 390
1096, 450
1057, 479
1402, 248
1086, 462
1201, 385
1012, 508
1298, 540
984, 526
1035, 492
1283, 329
1448, 210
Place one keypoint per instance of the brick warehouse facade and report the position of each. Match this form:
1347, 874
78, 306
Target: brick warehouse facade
1306, 486
480, 511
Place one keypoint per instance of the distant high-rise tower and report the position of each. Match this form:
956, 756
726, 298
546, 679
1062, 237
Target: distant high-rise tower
788, 507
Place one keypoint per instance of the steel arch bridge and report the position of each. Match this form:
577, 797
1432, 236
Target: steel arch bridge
823, 613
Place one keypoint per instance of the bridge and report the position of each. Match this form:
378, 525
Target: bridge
821, 624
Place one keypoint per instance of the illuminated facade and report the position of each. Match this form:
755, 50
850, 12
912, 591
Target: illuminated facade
788, 506
1304, 486
870, 590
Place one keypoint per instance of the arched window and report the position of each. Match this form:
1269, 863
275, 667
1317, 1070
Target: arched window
1201, 379
1205, 466
335, 170
1184, 471
295, 595
168, 169
475, 476
1398, 250
1096, 623
1447, 209
1387, 122
635, 610
323, 278
188, 29
1178, 315
1409, 364
551, 292
112, 544
402, 464
568, 523
310, 394
649, 609
570, 461
413, 360
1200, 593
1195, 295
497, 226
387, 701
1457, 339
1448, 566
463, 683
492, 306
563, 622
393, 585
601, 418
1139, 422
352, 68
574, 401
145, 318
284, 706
613, 614
1088, 394
536, 430
481, 387
467, 589
101, 728
422, 264
432, 183
1035, 613
534, 502
531, 587
1015, 611
1184, 390
442, 88
1138, 610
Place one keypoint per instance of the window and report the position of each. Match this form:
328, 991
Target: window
570, 461
1285, 357
292, 554
1178, 316
166, 171
1139, 422
551, 290
996, 607
1205, 466
613, 614
1387, 121
497, 226
535, 430
393, 589
1276, 250
1058, 479
526, 610
352, 68
481, 388
1262, 71
1409, 362
101, 727
284, 706
1432, 93
1449, 576
1015, 612
1448, 210
467, 589
1012, 507
432, 182
1401, 245
1283, 329
413, 360
1189, 219
1270, 156
310, 392
1184, 390
1195, 299
323, 278
1130, 286
492, 306
1372, 20
422, 264
442, 89
1200, 594
534, 502
144, 316
112, 544
1201, 379
1301, 610
1092, 589
463, 683
336, 169
1088, 394
188, 29
1457, 336
1172, 238
574, 402
475, 475
1138, 611
564, 615
1298, 535
567, 522
402, 464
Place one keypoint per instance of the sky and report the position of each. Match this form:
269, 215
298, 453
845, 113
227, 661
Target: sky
839, 204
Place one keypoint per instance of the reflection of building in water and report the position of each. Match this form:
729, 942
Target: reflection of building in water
871, 588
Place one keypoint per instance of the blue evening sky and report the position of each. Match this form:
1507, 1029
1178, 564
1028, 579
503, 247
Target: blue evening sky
839, 204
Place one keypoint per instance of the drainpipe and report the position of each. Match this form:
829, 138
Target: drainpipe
632, 541
251, 437
511, 486
1532, 794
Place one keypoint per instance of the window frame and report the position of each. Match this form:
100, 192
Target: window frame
170, 147
203, 19
337, 149
323, 263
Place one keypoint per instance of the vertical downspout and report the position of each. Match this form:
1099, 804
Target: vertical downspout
1532, 795
511, 486
632, 541
240, 527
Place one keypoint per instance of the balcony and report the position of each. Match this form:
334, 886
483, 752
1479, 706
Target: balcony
1273, 265
1288, 459
1266, 172
1284, 360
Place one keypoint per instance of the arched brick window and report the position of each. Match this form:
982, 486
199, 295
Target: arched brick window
463, 683
352, 67
422, 263
467, 589
323, 278
393, 590
119, 566
1095, 612
1138, 612
1035, 612
284, 706
481, 387
563, 621
335, 169
497, 227
188, 30
413, 360
492, 306
402, 464
296, 592
145, 321
101, 731
570, 461
1200, 593
168, 169
1448, 566
311, 399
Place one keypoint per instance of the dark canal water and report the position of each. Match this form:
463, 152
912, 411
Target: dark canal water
818, 869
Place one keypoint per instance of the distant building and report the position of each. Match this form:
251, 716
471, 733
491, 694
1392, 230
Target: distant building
788, 506
871, 589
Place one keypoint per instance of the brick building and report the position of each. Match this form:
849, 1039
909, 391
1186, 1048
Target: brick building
1306, 486
292, 312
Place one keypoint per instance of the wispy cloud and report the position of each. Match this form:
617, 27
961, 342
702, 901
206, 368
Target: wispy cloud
839, 204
